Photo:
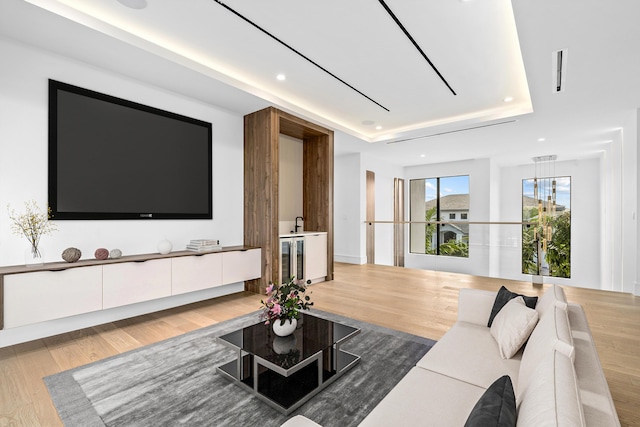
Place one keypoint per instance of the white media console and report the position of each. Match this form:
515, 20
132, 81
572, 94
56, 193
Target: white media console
41, 301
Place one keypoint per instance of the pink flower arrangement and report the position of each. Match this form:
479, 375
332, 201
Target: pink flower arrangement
285, 301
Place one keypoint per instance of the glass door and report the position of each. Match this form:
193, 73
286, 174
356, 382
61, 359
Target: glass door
299, 243
285, 260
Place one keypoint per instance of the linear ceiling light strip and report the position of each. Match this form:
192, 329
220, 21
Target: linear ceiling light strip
415, 44
239, 15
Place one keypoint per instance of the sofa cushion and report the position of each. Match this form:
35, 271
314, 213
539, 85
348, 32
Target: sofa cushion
552, 297
474, 305
551, 333
512, 326
504, 296
496, 407
468, 352
425, 398
551, 398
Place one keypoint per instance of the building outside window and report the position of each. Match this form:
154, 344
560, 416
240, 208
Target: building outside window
434, 199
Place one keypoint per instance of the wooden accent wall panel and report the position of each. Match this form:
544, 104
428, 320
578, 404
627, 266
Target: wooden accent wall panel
261, 134
261, 216
317, 202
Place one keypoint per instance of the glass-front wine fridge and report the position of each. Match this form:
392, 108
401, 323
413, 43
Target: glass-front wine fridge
292, 258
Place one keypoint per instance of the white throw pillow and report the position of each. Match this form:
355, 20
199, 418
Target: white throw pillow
512, 326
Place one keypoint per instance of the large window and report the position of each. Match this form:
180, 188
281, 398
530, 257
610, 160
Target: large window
439, 199
546, 242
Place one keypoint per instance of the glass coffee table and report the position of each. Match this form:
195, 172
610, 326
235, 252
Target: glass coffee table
286, 372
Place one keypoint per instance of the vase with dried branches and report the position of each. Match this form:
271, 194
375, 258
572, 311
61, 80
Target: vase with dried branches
33, 223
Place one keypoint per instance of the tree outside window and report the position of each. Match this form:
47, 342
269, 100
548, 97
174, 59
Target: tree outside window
434, 199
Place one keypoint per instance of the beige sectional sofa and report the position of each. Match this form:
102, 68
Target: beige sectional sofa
556, 376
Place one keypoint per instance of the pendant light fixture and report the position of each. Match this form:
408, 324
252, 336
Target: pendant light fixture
544, 192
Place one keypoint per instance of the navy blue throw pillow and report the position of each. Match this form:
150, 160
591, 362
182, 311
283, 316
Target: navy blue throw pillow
503, 297
496, 407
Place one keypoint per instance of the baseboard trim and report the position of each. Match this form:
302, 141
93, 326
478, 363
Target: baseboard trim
350, 259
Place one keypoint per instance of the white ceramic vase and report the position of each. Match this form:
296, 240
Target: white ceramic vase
287, 328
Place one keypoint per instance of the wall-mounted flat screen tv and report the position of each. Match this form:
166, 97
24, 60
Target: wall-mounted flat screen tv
110, 158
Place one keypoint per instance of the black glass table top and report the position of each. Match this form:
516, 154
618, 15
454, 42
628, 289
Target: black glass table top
312, 335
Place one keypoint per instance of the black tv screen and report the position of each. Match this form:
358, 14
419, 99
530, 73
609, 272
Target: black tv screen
110, 158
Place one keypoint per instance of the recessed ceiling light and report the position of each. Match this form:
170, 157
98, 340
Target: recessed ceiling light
422, 155
281, 77
134, 4
508, 99
378, 127
541, 139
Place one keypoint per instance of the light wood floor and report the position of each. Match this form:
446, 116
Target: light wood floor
416, 301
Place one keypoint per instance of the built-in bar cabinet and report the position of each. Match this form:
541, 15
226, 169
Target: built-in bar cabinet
261, 194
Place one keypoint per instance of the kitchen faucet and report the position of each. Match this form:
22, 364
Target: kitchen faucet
298, 226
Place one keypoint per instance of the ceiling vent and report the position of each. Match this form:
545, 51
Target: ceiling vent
450, 131
559, 70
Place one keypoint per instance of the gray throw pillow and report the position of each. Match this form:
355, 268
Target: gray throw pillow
504, 296
496, 407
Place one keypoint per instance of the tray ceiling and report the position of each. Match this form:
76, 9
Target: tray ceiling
374, 69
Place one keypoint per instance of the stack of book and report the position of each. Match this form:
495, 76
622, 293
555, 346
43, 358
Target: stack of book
204, 245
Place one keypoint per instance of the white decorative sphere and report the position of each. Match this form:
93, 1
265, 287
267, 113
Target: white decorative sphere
115, 253
165, 246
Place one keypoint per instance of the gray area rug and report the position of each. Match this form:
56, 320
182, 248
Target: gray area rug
174, 382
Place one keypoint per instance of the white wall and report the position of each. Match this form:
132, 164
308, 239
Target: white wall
611, 208
348, 199
636, 289
479, 210
350, 204
619, 197
23, 159
629, 202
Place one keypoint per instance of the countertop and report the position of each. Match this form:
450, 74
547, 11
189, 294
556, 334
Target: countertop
302, 233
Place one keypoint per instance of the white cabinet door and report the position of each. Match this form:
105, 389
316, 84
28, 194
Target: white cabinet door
47, 295
238, 266
193, 273
315, 256
132, 282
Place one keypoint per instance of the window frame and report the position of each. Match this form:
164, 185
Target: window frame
438, 229
564, 182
